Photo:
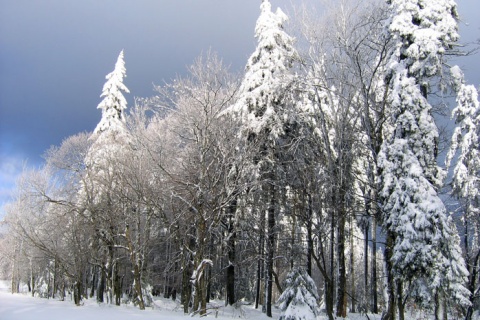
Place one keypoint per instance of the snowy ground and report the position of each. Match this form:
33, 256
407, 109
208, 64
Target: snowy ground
24, 307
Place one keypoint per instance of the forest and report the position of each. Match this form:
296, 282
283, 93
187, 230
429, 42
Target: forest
313, 182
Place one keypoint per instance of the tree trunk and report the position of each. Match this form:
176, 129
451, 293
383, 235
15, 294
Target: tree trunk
400, 302
352, 269
322, 267
134, 259
94, 280
292, 239
32, 279
309, 225
138, 286
203, 293
374, 262
261, 255
199, 299
390, 313
342, 270
230, 272
12, 280
441, 312
117, 286
365, 266
329, 298
77, 292
330, 285
270, 250
63, 290
54, 285
186, 284
109, 275
101, 284
258, 283
208, 284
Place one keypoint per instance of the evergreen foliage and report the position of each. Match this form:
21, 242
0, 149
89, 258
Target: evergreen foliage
114, 103
299, 298
424, 247
262, 95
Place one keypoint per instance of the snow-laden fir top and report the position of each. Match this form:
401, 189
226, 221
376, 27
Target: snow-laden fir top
114, 103
109, 139
263, 87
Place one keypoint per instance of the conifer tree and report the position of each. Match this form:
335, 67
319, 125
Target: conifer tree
101, 184
299, 299
263, 110
114, 103
422, 245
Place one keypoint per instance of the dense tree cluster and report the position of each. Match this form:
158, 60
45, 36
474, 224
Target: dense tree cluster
311, 180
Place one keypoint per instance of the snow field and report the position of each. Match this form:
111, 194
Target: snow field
25, 307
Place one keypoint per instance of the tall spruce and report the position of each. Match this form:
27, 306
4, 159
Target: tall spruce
100, 186
263, 109
114, 103
422, 249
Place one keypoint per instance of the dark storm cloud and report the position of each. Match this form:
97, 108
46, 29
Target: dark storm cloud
55, 55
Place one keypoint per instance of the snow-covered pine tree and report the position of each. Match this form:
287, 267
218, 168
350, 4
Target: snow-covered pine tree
110, 135
101, 185
263, 110
466, 176
114, 103
422, 245
261, 104
299, 298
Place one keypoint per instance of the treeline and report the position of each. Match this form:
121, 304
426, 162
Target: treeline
321, 157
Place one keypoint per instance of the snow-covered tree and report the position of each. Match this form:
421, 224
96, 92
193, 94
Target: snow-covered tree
114, 103
200, 179
101, 185
299, 298
44, 222
466, 177
261, 105
422, 245
110, 136
263, 110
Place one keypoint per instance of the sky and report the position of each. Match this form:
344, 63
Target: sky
54, 55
